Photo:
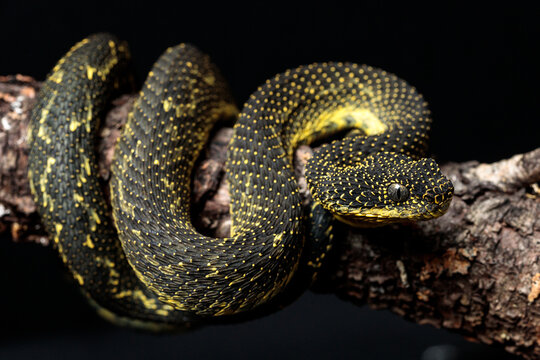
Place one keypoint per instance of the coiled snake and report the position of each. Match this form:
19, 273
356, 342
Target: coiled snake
152, 268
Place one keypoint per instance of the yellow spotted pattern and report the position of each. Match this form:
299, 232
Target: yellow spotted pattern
64, 180
155, 270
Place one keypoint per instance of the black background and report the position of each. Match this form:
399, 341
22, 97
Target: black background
477, 67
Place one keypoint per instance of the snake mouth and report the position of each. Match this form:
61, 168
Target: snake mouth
433, 204
379, 216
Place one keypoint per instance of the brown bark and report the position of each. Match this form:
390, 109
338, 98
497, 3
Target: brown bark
475, 270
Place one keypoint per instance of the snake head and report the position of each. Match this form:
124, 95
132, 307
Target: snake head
382, 188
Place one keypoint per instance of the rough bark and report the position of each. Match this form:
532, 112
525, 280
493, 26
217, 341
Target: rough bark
475, 270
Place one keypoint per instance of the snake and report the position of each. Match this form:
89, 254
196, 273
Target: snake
138, 258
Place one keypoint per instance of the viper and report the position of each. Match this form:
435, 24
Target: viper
140, 261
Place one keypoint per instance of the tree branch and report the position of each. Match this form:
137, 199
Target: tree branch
475, 270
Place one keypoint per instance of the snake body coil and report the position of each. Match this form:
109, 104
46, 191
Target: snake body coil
63, 174
373, 177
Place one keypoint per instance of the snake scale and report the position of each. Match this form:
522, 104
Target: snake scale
149, 267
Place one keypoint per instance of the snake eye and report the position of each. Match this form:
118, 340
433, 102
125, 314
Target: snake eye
398, 192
